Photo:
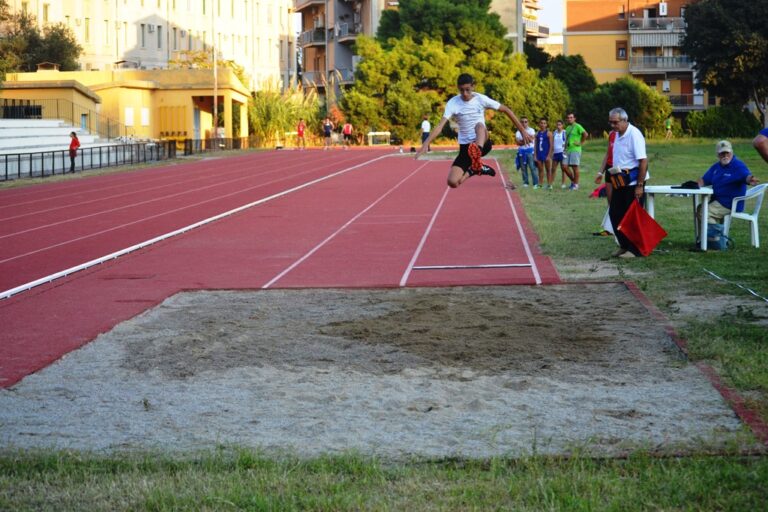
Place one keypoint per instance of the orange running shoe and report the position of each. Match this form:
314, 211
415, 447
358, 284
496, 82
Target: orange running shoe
475, 154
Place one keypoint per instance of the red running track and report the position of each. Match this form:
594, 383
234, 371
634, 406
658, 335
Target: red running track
322, 219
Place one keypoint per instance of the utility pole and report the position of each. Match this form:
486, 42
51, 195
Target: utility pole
215, 74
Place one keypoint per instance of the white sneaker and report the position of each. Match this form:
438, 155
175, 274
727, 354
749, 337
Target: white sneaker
525, 185
575, 187
535, 187
562, 186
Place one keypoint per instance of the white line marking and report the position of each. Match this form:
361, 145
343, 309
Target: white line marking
488, 265
529, 255
423, 240
342, 228
27, 286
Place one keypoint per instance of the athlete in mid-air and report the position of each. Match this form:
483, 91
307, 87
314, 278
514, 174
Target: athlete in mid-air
468, 109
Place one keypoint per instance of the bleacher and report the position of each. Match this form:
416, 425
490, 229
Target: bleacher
34, 135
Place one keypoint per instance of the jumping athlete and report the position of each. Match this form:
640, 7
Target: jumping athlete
468, 109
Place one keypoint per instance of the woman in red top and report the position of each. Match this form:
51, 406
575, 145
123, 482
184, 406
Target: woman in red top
73, 145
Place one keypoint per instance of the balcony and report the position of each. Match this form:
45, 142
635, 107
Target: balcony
312, 37
303, 4
345, 75
313, 79
348, 32
686, 102
666, 23
657, 64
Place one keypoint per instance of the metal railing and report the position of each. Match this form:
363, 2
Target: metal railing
65, 110
676, 63
692, 101
665, 23
49, 163
195, 146
314, 36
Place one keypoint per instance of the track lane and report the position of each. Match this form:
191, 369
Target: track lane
49, 249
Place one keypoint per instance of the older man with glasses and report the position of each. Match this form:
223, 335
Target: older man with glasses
627, 176
729, 178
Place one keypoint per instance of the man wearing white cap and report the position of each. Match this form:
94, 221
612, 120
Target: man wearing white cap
729, 178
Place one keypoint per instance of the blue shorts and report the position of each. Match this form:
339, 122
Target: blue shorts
557, 157
541, 156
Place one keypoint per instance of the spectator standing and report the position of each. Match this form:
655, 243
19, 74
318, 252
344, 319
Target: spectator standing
729, 178
525, 151
606, 229
327, 132
575, 135
668, 126
543, 153
558, 143
74, 144
761, 143
300, 129
628, 175
346, 130
426, 127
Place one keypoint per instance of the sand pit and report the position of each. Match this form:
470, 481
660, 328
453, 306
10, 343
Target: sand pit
469, 372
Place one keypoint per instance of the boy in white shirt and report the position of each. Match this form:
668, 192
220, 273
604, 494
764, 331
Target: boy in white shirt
468, 108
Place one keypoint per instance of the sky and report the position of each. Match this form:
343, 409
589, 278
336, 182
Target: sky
551, 15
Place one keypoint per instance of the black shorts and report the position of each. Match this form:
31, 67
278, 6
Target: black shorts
463, 160
347, 136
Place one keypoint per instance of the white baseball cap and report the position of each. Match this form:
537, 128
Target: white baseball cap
724, 147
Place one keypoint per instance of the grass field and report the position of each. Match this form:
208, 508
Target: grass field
734, 340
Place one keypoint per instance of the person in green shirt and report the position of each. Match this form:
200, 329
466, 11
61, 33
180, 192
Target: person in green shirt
668, 126
575, 135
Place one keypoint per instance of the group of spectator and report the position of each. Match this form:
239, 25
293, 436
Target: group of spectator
327, 128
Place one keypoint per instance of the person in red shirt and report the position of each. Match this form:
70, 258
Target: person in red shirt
300, 142
74, 143
347, 131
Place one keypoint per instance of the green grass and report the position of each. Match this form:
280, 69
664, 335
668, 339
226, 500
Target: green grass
243, 480
735, 342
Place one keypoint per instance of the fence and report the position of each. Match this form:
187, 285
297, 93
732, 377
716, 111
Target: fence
65, 110
49, 163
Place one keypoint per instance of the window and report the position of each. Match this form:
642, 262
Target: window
189, 40
622, 13
87, 30
106, 31
142, 36
203, 6
159, 37
175, 39
144, 116
128, 116
621, 50
45, 12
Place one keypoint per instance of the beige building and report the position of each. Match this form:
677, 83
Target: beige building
520, 17
149, 34
157, 104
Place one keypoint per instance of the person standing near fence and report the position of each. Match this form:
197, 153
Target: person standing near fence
327, 133
74, 144
300, 128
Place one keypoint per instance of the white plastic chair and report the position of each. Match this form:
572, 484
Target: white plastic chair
757, 193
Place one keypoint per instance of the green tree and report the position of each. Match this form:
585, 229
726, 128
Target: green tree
465, 24
722, 122
728, 42
537, 58
23, 46
573, 72
646, 107
272, 113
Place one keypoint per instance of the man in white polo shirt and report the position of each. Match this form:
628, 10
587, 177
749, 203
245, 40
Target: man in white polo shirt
627, 176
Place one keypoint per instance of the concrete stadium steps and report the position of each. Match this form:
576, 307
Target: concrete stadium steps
33, 135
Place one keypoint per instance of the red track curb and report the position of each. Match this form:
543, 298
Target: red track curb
747, 414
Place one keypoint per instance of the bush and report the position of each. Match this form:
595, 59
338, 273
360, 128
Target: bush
722, 122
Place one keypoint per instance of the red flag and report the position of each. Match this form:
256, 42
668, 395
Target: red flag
641, 229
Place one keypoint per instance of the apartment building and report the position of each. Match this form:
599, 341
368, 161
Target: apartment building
329, 29
638, 38
152, 34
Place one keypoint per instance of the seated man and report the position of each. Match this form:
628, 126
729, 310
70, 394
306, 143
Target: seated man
729, 177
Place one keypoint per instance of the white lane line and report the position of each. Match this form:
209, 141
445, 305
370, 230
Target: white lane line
342, 228
462, 267
528, 253
423, 240
159, 199
27, 286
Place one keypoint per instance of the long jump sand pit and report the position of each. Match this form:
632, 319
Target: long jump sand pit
430, 372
